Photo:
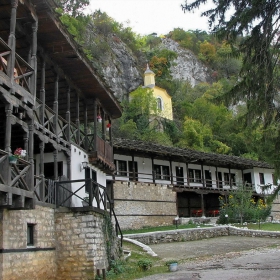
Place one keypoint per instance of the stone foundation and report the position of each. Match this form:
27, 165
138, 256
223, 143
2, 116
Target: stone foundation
81, 245
143, 204
22, 262
68, 244
275, 211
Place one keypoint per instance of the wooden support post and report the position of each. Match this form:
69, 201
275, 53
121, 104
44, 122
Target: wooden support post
55, 153
89, 182
187, 171
202, 175
42, 92
202, 205
30, 177
26, 140
103, 126
78, 120
86, 125
12, 41
55, 107
42, 171
229, 177
217, 178
6, 171
153, 170
95, 124
33, 62
110, 133
133, 168
171, 171
68, 116
68, 166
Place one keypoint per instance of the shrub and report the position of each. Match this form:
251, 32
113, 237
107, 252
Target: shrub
144, 264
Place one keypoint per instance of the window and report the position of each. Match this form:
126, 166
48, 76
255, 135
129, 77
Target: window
229, 179
261, 175
122, 167
226, 178
195, 175
165, 172
30, 234
161, 172
159, 104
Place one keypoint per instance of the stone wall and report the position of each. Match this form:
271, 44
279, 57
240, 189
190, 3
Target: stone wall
198, 234
68, 244
80, 244
275, 211
22, 262
143, 204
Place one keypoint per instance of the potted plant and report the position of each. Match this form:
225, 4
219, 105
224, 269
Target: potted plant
172, 265
99, 118
85, 201
108, 126
18, 153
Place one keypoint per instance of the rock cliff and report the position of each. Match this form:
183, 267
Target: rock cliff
122, 71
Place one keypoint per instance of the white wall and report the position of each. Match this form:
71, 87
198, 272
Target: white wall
145, 172
77, 157
268, 179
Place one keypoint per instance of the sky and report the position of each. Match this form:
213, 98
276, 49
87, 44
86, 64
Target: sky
151, 16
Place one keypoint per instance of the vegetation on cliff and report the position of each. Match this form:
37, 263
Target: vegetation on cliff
205, 118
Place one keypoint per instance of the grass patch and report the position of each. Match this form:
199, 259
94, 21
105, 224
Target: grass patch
130, 269
163, 228
261, 226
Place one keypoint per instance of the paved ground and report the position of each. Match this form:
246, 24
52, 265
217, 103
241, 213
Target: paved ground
223, 258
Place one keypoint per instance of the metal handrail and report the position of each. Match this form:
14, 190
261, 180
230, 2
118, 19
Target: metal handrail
94, 193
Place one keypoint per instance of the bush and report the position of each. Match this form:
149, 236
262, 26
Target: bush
144, 264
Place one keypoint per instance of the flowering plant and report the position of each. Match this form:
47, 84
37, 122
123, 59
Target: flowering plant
108, 125
19, 152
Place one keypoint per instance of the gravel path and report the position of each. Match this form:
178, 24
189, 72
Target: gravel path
224, 258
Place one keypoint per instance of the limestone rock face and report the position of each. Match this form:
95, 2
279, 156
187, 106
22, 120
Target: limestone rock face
121, 69
188, 67
123, 72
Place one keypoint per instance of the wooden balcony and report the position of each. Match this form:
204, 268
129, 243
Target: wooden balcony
15, 188
103, 156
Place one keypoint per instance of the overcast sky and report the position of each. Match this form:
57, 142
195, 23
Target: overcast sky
149, 16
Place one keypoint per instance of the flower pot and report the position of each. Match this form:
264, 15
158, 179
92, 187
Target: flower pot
85, 203
13, 159
173, 267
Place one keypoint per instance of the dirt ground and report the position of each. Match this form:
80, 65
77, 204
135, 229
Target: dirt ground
223, 258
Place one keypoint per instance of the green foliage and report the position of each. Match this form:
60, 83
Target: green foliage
240, 206
108, 236
72, 7
116, 267
169, 262
144, 264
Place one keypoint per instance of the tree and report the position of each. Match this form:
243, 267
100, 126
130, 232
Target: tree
73, 7
241, 206
252, 30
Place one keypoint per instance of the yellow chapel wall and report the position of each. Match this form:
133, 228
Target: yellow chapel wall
167, 111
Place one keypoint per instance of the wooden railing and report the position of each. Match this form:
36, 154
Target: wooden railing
17, 177
22, 70
181, 182
44, 190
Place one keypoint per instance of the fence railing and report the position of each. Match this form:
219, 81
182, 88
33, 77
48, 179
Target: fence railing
97, 197
180, 181
22, 69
